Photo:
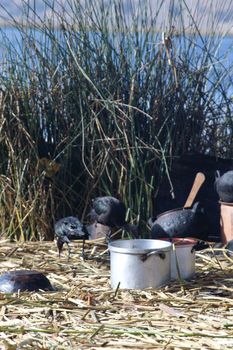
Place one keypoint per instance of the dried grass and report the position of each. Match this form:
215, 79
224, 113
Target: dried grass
85, 313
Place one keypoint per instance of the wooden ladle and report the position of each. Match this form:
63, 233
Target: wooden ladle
198, 181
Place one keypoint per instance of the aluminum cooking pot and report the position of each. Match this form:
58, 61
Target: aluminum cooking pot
140, 263
182, 222
183, 257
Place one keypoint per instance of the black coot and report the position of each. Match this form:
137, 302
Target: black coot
24, 280
224, 186
111, 212
69, 229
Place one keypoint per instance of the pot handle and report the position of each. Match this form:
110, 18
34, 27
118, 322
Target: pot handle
200, 245
159, 253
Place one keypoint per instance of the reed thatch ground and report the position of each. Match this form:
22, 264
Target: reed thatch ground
85, 313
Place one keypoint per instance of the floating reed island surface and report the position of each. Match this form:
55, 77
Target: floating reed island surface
85, 313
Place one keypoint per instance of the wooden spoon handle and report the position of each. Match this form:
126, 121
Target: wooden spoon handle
199, 179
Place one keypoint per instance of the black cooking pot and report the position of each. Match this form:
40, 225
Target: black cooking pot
224, 186
24, 280
190, 222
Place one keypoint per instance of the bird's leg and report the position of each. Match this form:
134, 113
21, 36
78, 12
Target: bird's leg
108, 236
60, 242
59, 252
59, 246
69, 251
84, 256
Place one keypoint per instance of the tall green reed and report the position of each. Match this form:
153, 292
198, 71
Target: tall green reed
112, 98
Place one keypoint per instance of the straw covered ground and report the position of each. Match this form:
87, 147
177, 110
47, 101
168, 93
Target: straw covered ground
85, 313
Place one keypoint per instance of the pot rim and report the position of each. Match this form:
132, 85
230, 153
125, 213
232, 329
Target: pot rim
132, 246
171, 211
229, 204
181, 241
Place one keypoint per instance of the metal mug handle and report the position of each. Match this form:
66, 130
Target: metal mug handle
159, 253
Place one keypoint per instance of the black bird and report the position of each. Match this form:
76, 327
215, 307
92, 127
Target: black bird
110, 211
224, 186
24, 280
69, 229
